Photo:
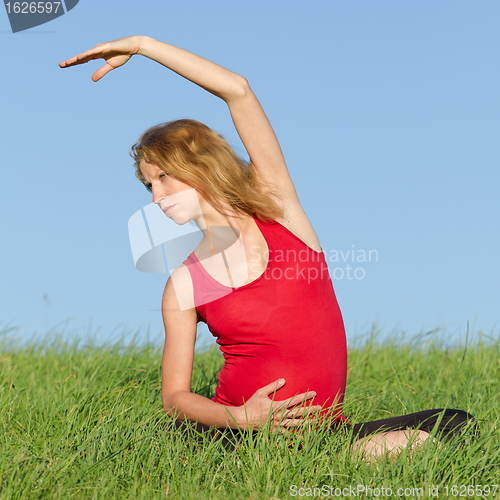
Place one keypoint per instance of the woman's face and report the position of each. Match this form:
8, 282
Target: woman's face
179, 201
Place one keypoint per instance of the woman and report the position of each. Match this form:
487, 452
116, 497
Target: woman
259, 277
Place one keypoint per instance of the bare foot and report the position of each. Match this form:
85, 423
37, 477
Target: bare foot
390, 444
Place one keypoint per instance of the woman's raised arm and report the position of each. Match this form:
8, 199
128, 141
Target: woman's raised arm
248, 116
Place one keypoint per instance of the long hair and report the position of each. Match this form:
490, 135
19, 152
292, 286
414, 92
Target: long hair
198, 156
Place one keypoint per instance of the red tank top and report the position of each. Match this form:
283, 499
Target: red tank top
285, 324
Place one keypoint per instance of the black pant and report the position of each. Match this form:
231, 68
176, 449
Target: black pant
450, 424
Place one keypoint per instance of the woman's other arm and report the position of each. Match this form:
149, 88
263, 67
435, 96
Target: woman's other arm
177, 366
177, 361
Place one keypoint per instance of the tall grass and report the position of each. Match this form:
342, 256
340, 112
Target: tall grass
85, 421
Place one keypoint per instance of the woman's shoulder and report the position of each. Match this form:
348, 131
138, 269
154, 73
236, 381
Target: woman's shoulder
178, 294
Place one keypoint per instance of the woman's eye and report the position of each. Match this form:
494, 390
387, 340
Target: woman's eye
163, 175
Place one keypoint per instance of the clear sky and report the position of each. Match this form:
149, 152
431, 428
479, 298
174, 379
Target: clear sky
387, 112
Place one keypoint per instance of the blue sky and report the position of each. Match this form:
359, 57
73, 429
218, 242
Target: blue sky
387, 113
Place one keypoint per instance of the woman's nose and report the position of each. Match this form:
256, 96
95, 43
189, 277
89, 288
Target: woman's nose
158, 195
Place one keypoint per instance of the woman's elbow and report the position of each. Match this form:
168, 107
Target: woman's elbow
244, 85
171, 402
169, 406
240, 88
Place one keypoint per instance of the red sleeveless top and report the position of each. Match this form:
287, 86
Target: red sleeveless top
285, 324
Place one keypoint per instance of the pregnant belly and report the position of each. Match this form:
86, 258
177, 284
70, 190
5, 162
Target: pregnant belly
240, 378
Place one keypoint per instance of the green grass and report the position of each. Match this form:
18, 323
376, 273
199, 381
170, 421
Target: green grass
84, 421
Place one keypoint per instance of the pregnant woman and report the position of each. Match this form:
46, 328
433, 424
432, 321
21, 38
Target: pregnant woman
258, 278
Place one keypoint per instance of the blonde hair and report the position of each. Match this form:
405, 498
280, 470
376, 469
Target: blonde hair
198, 156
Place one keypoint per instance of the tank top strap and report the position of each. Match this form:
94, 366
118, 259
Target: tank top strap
279, 237
205, 288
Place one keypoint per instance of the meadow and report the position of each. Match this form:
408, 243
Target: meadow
81, 420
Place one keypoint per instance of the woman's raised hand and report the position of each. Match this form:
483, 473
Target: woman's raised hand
282, 414
115, 53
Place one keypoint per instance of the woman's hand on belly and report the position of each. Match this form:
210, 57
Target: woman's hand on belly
283, 414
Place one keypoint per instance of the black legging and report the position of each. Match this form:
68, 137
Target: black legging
450, 425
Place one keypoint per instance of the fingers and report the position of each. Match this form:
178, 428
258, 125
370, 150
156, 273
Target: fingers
272, 387
82, 58
299, 414
298, 399
278, 384
294, 423
293, 412
301, 411
101, 72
